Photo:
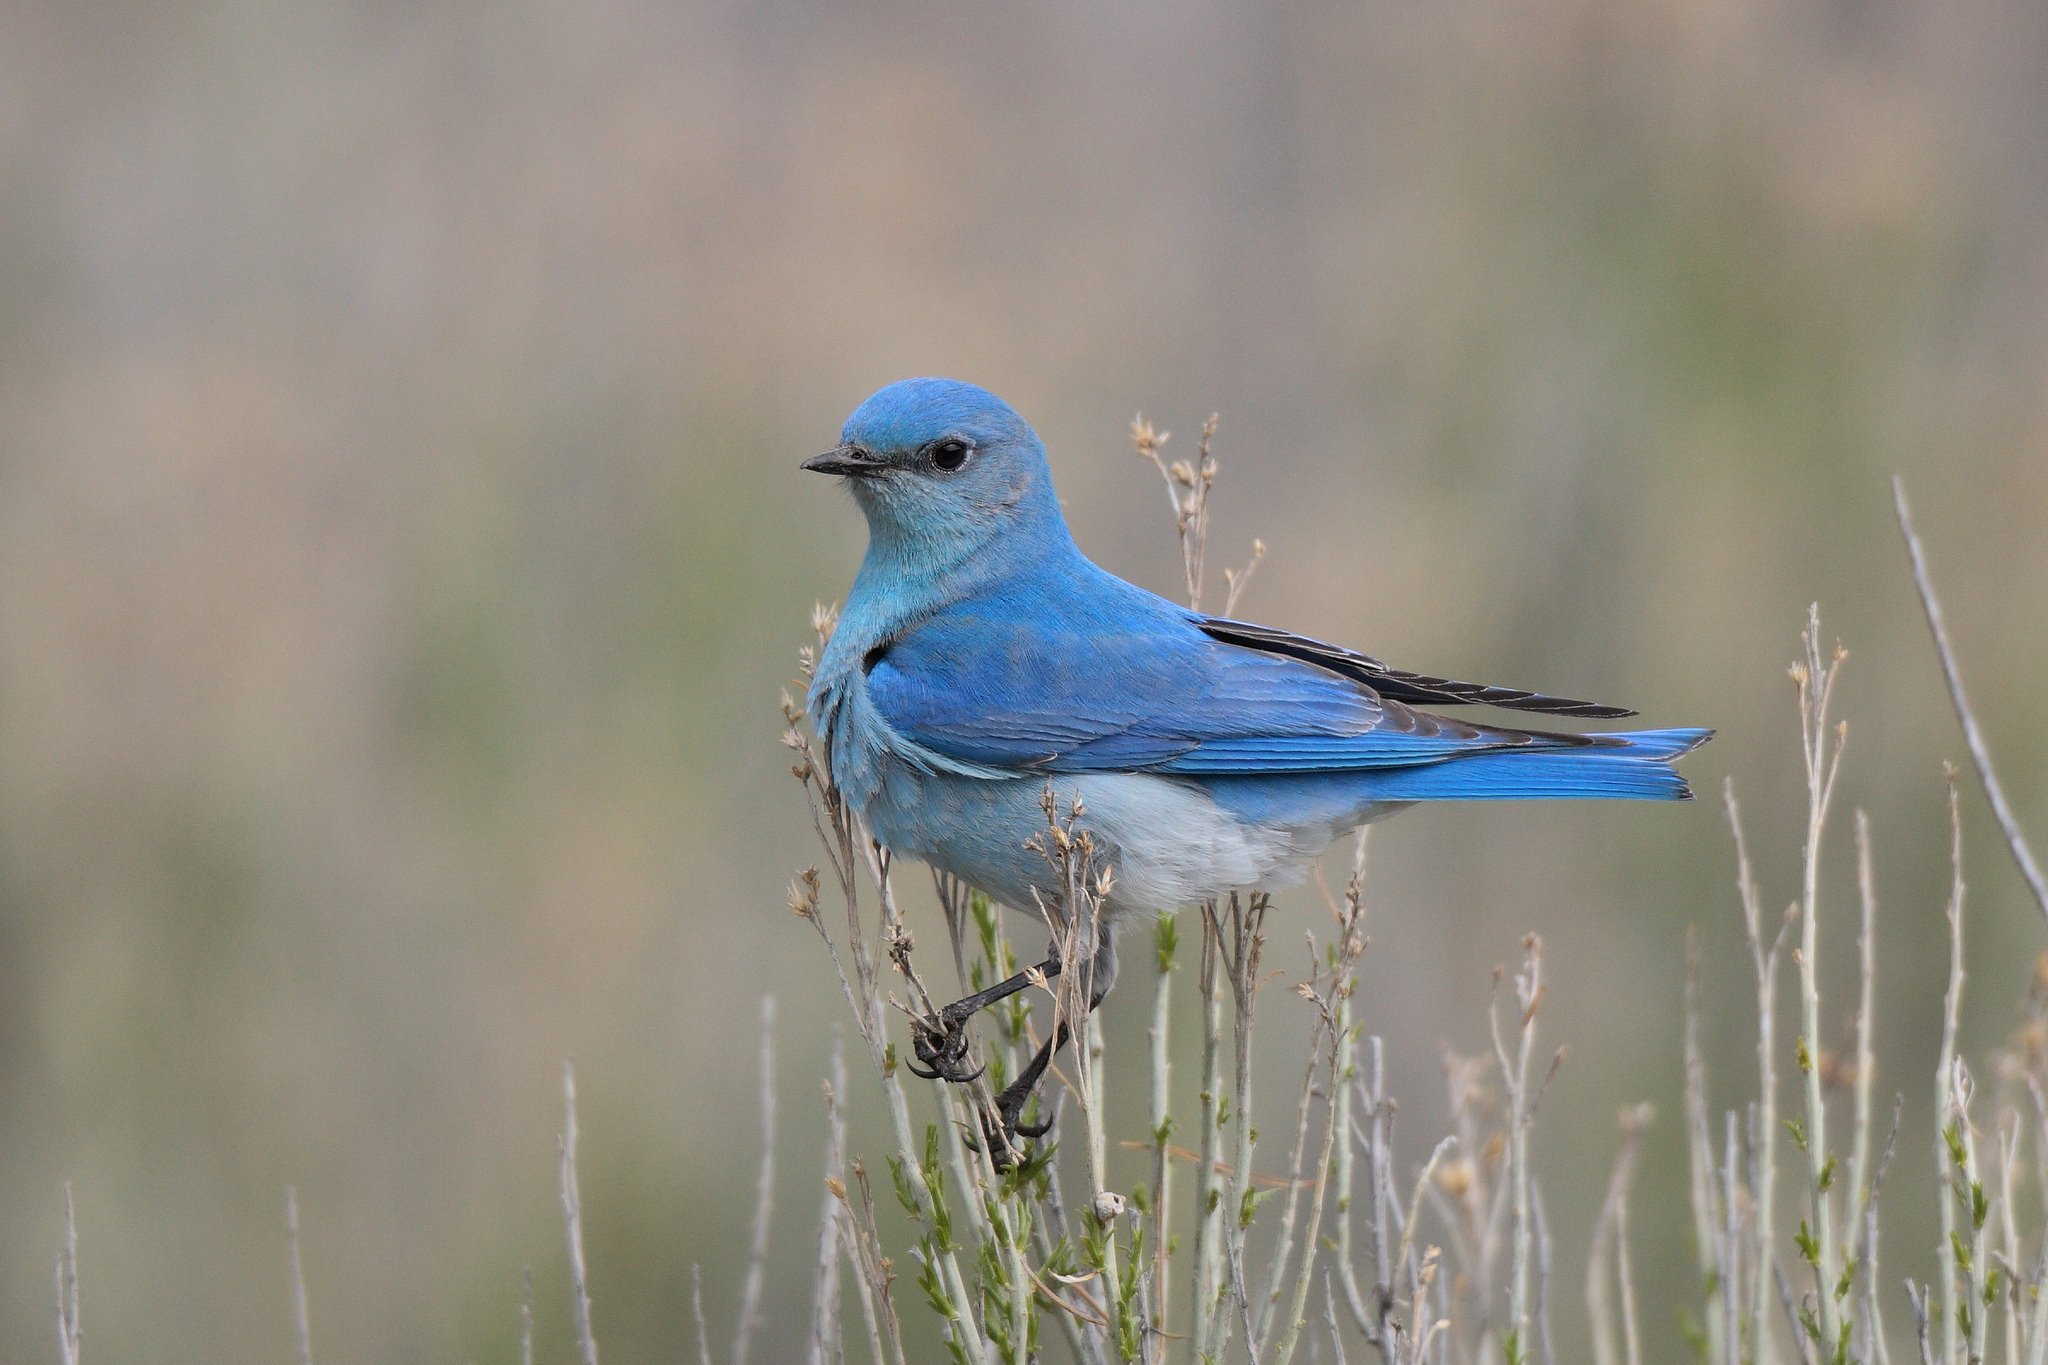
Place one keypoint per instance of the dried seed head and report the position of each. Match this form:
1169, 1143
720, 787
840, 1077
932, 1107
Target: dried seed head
803, 894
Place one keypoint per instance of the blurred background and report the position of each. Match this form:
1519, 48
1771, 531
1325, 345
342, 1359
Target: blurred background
402, 547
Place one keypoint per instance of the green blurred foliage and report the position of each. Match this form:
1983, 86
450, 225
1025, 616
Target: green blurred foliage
401, 548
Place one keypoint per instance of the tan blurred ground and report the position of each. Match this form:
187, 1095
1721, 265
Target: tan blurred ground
401, 546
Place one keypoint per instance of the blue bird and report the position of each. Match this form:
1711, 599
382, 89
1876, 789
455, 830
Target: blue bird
980, 656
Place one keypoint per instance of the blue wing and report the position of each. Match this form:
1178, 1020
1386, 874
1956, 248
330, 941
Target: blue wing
1096, 676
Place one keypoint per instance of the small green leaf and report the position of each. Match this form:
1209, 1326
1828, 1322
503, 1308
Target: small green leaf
1165, 939
906, 1193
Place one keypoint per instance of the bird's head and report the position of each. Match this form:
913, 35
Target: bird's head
942, 468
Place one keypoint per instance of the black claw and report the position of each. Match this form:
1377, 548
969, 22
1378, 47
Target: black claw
1002, 1130
1032, 1130
941, 1044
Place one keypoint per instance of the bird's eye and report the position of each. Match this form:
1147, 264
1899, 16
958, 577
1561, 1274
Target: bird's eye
949, 455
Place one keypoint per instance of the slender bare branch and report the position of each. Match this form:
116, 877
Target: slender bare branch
1815, 674
697, 1313
1610, 1240
1715, 1279
572, 1222
69, 1335
764, 1195
526, 1319
1973, 734
825, 1331
302, 1331
1945, 1117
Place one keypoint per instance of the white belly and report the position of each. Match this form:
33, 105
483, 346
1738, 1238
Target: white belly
1174, 845
1168, 843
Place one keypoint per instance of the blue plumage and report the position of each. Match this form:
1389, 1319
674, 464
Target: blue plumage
981, 655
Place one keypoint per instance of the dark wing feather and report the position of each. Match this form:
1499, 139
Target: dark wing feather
1393, 683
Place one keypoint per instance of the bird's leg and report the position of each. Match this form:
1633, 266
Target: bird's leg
1002, 1135
1009, 1105
941, 1040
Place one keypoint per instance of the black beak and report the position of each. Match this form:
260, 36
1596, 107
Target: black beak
850, 461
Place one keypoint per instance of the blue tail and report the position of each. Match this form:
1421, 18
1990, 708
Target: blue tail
1640, 772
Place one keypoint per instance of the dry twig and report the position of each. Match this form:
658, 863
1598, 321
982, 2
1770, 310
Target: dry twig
572, 1221
764, 1194
1973, 734
70, 1335
302, 1331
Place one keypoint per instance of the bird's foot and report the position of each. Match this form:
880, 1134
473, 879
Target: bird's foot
940, 1042
1001, 1130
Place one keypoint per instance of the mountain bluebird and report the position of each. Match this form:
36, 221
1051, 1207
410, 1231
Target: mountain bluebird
981, 656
